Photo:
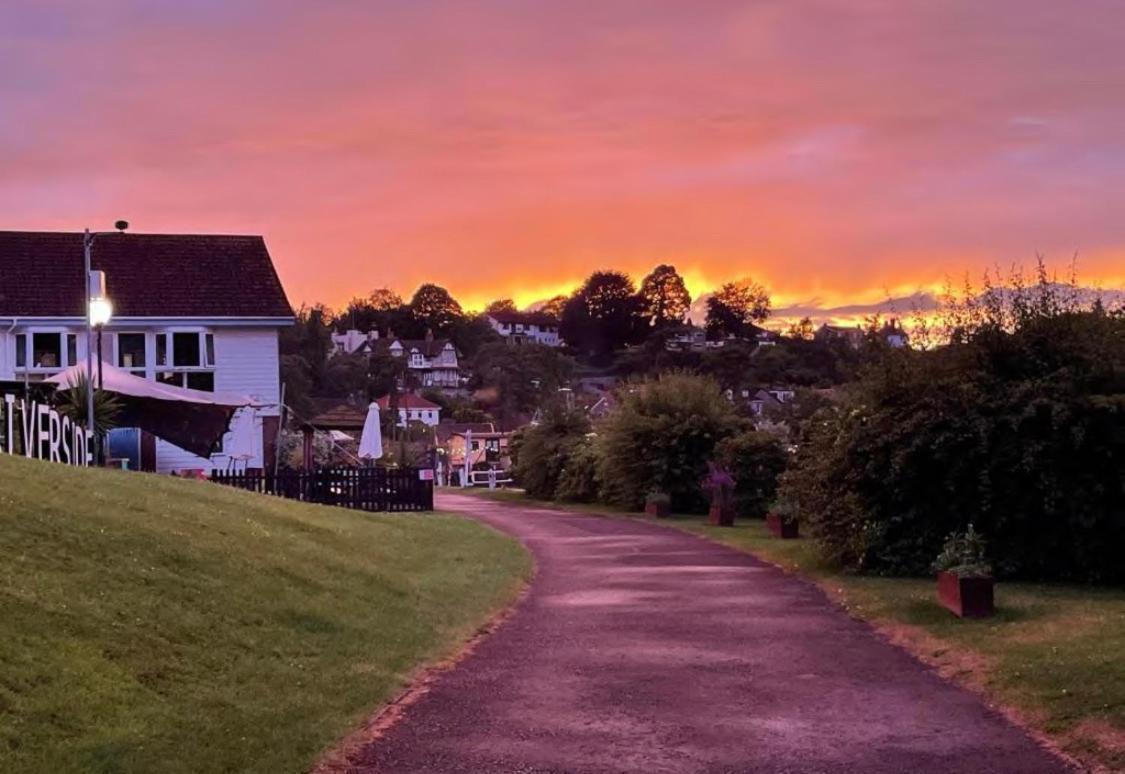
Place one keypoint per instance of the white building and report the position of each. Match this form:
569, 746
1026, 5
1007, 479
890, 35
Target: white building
432, 362
413, 408
202, 312
524, 327
352, 341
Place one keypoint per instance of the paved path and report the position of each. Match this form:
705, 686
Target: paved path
643, 649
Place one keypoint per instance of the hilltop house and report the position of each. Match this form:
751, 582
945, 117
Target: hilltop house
195, 311
525, 327
413, 408
431, 362
352, 341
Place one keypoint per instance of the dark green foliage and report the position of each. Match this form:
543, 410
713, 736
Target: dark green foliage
513, 381
578, 481
1021, 433
964, 555
755, 460
661, 437
543, 451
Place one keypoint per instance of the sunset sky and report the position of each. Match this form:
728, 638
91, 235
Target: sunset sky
835, 151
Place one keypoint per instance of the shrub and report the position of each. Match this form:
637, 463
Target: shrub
755, 460
544, 450
578, 480
1019, 431
661, 437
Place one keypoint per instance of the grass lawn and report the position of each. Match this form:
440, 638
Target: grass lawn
155, 625
1055, 653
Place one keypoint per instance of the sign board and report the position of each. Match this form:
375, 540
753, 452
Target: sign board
38, 431
426, 474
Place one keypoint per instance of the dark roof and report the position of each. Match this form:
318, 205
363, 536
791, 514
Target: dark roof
428, 347
524, 318
336, 414
147, 275
408, 400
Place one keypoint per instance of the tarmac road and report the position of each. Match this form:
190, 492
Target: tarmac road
643, 649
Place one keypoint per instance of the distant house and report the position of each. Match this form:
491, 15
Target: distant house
433, 362
525, 327
686, 338
353, 342
413, 408
195, 311
851, 335
480, 440
894, 335
762, 401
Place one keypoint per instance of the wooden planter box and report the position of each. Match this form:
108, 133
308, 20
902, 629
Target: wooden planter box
720, 516
657, 510
965, 597
781, 528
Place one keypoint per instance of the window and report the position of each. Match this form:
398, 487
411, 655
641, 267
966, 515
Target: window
46, 350
131, 350
186, 359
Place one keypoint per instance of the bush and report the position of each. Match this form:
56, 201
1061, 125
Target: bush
544, 450
578, 481
1020, 432
755, 460
660, 437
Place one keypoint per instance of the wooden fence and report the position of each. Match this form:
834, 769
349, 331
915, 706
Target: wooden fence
364, 489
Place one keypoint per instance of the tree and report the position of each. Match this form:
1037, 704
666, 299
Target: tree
382, 310
603, 315
661, 437
734, 308
554, 306
501, 305
433, 308
755, 460
802, 329
515, 381
663, 296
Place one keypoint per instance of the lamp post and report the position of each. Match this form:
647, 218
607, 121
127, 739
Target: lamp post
98, 312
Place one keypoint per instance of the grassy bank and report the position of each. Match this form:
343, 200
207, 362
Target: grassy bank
1053, 652
155, 625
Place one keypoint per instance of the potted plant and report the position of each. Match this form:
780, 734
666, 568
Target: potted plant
964, 577
720, 485
658, 504
782, 520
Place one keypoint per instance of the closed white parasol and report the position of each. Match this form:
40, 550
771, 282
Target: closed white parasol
371, 442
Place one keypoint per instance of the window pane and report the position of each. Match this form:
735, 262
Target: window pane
130, 350
21, 350
185, 350
47, 350
71, 349
162, 349
201, 381
210, 337
170, 377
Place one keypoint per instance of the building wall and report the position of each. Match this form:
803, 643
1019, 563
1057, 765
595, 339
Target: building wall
246, 363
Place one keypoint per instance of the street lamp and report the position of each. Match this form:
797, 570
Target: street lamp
100, 312
103, 312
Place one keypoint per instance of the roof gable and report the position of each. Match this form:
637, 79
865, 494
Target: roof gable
147, 275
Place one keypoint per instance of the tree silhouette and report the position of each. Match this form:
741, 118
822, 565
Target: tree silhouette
734, 308
433, 308
663, 297
501, 305
603, 315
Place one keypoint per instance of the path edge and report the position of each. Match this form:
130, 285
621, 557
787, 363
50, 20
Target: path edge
341, 757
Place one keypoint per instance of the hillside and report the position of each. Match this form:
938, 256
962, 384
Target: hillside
155, 625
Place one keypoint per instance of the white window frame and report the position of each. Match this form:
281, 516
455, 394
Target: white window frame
182, 372
29, 335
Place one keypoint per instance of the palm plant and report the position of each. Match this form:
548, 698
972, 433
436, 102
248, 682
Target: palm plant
72, 402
